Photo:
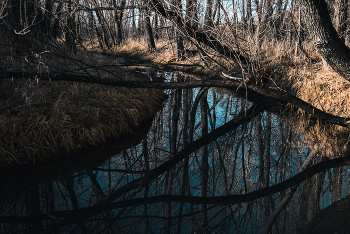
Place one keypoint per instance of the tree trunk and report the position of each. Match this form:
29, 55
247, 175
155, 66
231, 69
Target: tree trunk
178, 36
149, 33
340, 12
70, 30
118, 16
208, 19
325, 37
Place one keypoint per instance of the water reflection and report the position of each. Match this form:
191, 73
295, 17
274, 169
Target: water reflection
143, 188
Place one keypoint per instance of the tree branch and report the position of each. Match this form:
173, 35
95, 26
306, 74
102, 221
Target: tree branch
254, 92
192, 31
242, 118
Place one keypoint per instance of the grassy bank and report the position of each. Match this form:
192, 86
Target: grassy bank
49, 119
310, 79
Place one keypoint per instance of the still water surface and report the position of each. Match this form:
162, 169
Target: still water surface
101, 197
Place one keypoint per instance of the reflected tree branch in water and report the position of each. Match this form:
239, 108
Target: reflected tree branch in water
224, 200
74, 200
288, 197
121, 171
244, 117
194, 110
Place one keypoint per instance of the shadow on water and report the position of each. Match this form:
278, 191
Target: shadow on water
115, 192
15, 180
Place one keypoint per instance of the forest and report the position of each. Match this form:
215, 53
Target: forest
159, 116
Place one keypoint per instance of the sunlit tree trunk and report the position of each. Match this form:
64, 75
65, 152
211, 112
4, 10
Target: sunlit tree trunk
140, 19
133, 21
107, 35
278, 22
217, 12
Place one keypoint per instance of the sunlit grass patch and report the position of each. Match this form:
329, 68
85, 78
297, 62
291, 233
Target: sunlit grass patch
138, 49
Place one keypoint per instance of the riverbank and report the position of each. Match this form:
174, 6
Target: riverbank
44, 120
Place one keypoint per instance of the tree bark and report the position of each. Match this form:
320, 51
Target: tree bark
118, 20
341, 15
325, 37
149, 32
70, 30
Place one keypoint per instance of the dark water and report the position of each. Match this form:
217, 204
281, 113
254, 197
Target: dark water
101, 196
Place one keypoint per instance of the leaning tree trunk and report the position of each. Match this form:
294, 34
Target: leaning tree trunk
325, 37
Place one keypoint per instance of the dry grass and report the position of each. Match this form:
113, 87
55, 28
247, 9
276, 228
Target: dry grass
326, 90
49, 119
289, 67
138, 49
316, 84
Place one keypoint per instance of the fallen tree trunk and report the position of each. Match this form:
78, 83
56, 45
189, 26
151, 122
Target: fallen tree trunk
276, 101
